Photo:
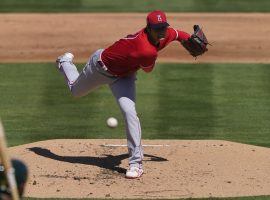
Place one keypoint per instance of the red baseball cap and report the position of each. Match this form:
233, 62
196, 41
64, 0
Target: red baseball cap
157, 19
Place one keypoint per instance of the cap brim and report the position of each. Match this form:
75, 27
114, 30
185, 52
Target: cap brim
159, 26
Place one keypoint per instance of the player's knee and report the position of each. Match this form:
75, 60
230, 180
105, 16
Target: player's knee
129, 112
127, 106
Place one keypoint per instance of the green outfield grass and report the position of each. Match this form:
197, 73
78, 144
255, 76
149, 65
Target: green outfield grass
176, 101
134, 5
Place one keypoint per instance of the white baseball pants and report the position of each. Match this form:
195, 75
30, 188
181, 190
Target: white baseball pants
123, 89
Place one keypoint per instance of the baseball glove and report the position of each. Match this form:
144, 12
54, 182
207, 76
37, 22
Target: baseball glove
197, 43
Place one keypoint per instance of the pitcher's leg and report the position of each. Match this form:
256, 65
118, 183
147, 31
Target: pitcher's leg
124, 92
89, 78
67, 68
87, 81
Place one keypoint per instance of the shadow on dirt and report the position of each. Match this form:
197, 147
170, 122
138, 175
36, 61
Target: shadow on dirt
109, 162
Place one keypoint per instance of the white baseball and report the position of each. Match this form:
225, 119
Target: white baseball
112, 122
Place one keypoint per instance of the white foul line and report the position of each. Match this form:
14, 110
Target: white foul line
145, 145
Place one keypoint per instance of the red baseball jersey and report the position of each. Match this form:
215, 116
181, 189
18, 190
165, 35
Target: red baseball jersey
133, 52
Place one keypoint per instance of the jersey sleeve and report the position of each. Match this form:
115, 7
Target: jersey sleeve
178, 35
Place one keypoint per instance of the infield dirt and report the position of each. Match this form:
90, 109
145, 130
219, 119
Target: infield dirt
42, 37
173, 169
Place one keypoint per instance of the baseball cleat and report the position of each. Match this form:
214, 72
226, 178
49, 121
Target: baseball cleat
134, 172
66, 57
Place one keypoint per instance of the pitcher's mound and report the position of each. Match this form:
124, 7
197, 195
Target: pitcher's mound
173, 169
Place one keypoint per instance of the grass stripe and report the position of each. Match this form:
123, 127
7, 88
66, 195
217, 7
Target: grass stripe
176, 101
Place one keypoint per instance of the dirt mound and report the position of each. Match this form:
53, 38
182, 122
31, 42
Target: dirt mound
173, 169
42, 37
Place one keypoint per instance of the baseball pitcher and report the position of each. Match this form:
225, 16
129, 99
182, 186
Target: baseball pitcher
116, 66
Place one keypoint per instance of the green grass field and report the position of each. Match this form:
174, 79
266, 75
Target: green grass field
134, 5
176, 101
